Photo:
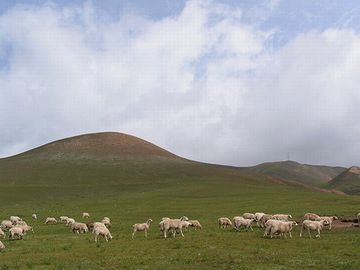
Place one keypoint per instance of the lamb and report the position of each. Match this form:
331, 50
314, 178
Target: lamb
264, 219
85, 215
195, 223
173, 225
258, 216
34, 216
141, 227
313, 225
16, 231
102, 231
243, 222
279, 227
15, 219
248, 216
311, 216
2, 233
2, 246
282, 217
224, 222
106, 222
329, 220
25, 228
63, 219
69, 221
78, 227
6, 225
50, 220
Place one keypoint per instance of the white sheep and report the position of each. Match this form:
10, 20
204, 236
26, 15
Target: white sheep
258, 216
102, 231
20, 222
173, 225
141, 227
279, 227
63, 219
50, 220
329, 220
282, 217
106, 221
26, 228
196, 224
2, 246
2, 233
85, 215
248, 216
34, 216
16, 231
264, 219
69, 221
78, 227
6, 225
224, 222
242, 222
15, 219
313, 226
311, 216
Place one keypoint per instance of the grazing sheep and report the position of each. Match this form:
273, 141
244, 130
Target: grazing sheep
15, 219
248, 216
173, 225
63, 219
282, 217
265, 218
34, 216
6, 225
85, 215
329, 220
165, 218
2, 246
313, 226
106, 222
195, 223
311, 216
224, 222
78, 227
141, 227
25, 228
2, 233
243, 222
279, 227
50, 220
69, 221
258, 216
16, 231
102, 231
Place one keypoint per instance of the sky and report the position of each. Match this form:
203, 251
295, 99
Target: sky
227, 82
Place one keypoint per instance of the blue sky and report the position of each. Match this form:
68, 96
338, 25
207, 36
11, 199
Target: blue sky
231, 82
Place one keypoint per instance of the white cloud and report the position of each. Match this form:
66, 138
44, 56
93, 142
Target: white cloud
202, 84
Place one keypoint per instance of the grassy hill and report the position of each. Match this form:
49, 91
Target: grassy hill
294, 171
348, 181
130, 180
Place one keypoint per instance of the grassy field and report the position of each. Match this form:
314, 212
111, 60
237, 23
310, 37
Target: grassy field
132, 191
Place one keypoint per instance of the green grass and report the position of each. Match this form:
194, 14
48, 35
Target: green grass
131, 191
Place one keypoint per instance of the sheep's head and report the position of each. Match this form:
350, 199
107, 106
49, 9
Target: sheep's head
335, 217
149, 220
289, 216
184, 218
295, 223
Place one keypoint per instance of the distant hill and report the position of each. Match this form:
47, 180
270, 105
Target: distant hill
348, 181
296, 172
98, 146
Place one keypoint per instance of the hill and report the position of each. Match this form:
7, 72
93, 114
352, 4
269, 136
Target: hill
93, 173
296, 172
348, 181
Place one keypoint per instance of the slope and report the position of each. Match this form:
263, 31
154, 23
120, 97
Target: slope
348, 181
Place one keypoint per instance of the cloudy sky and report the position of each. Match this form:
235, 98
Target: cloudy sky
230, 82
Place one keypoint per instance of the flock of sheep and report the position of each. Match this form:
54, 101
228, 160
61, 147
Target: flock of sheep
275, 225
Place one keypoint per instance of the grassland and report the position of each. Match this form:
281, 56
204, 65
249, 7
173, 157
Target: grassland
130, 191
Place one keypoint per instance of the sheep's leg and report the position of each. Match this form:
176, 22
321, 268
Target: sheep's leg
290, 234
96, 237
133, 235
146, 233
309, 232
318, 235
181, 232
251, 228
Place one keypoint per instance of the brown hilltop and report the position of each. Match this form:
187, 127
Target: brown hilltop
106, 145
